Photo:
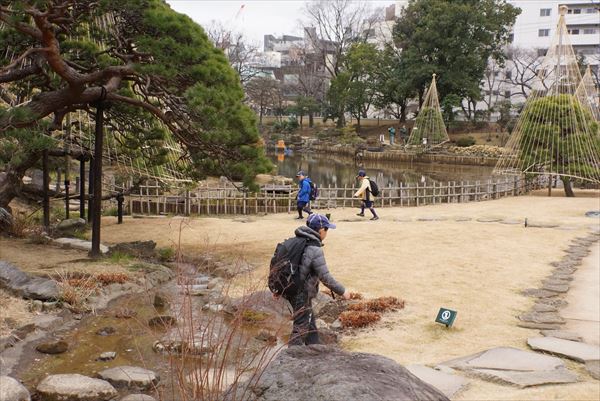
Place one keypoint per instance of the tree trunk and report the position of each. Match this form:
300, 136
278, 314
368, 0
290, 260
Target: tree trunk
301, 118
311, 120
403, 113
568, 188
12, 179
341, 121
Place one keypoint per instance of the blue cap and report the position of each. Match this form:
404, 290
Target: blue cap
301, 172
318, 221
361, 173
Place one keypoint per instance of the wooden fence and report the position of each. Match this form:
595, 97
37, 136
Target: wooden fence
277, 199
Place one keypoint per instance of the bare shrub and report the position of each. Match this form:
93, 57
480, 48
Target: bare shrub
382, 304
358, 319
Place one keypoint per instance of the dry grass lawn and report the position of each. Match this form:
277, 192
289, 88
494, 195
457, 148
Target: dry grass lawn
477, 268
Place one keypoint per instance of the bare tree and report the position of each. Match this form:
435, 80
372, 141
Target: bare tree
523, 65
492, 81
238, 49
263, 94
336, 25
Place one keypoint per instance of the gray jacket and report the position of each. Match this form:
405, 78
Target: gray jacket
314, 268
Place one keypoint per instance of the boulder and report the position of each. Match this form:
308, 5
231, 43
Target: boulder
75, 387
25, 285
132, 377
138, 397
320, 372
71, 225
12, 390
138, 249
53, 347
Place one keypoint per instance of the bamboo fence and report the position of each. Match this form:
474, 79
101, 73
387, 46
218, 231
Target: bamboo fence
228, 200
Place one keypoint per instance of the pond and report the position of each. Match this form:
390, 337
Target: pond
338, 171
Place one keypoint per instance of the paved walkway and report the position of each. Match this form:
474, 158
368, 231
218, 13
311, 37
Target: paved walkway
583, 311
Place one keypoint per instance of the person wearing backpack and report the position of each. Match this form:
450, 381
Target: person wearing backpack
301, 286
367, 192
304, 193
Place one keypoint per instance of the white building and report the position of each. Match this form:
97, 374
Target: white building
531, 37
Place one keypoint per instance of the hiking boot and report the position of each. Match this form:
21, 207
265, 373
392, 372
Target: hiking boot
299, 218
375, 218
360, 214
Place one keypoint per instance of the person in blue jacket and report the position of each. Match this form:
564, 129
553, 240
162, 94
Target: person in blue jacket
303, 198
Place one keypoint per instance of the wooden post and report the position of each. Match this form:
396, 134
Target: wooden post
90, 189
120, 200
344, 199
245, 201
187, 203
97, 199
401, 195
417, 196
45, 184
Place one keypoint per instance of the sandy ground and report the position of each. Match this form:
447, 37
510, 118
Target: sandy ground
476, 268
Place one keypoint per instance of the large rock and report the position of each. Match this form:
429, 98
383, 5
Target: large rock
132, 377
571, 349
138, 249
12, 390
138, 397
53, 347
75, 387
320, 372
25, 285
71, 225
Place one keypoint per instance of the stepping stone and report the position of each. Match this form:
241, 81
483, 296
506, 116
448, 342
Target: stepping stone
489, 220
514, 366
512, 222
448, 384
462, 219
543, 317
577, 351
79, 244
593, 368
12, 390
562, 334
130, 377
537, 293
539, 326
75, 387
507, 358
539, 307
555, 282
592, 213
556, 288
403, 219
542, 225
561, 276
556, 302
431, 218
527, 379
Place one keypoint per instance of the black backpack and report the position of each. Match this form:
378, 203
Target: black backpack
374, 187
284, 272
314, 191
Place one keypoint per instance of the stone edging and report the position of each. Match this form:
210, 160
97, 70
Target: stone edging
544, 314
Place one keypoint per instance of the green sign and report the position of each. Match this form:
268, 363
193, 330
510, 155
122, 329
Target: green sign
446, 316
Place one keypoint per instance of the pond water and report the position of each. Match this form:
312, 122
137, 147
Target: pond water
338, 171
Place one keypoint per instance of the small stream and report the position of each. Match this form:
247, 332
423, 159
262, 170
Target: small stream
220, 343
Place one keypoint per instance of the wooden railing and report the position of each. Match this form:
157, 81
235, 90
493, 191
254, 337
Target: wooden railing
278, 199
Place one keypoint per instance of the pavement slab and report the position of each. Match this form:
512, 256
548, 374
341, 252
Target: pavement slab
577, 351
447, 383
527, 379
562, 334
507, 358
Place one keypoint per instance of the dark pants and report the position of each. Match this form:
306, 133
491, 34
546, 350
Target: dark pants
369, 205
304, 331
303, 206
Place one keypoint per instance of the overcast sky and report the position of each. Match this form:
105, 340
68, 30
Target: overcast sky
255, 19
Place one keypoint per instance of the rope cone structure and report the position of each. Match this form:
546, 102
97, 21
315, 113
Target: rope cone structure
556, 134
429, 130
587, 93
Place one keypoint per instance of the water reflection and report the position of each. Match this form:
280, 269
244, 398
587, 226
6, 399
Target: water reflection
338, 171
